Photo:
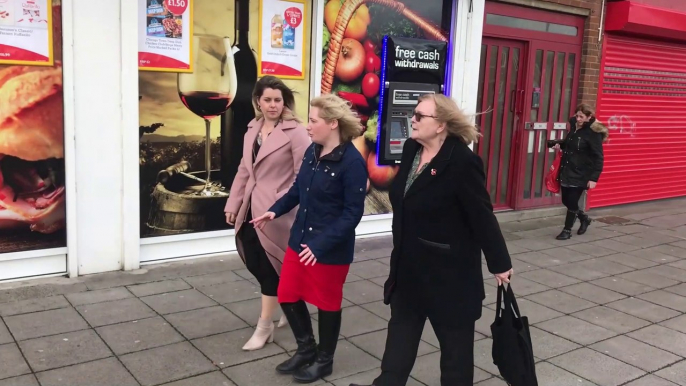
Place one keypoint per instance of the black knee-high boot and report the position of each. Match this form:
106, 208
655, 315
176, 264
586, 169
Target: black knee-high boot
585, 222
566, 233
299, 318
329, 328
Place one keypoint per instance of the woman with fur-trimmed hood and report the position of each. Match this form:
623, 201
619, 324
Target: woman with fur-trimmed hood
581, 166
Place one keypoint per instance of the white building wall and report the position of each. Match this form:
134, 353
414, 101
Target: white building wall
96, 80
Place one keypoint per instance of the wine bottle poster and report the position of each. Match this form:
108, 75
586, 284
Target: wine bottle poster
282, 41
172, 137
32, 176
26, 32
165, 35
358, 68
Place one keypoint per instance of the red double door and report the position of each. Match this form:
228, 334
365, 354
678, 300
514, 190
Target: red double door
528, 86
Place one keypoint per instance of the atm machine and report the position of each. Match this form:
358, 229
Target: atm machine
410, 68
402, 99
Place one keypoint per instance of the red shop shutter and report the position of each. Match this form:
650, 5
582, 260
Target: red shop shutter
642, 99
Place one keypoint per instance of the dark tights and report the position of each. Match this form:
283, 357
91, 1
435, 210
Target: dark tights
257, 261
570, 199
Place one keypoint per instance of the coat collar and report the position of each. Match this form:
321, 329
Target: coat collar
283, 125
436, 166
276, 140
336, 154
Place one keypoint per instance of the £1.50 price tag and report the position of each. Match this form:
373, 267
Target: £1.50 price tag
176, 7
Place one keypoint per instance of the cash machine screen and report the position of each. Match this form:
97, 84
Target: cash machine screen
399, 133
397, 118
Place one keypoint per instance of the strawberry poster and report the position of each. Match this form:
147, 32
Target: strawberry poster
164, 36
282, 38
26, 32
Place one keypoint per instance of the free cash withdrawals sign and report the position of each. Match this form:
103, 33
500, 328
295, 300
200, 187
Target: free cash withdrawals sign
164, 36
26, 32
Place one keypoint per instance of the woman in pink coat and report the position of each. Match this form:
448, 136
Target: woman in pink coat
272, 153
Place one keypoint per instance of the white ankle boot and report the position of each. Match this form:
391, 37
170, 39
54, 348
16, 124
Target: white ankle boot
283, 321
264, 333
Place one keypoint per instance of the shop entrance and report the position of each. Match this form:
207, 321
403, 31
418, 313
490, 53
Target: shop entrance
528, 84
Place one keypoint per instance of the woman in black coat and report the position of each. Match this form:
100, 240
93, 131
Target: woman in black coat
581, 165
442, 220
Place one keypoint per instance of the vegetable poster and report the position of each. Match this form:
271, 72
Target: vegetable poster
357, 71
26, 32
282, 38
164, 36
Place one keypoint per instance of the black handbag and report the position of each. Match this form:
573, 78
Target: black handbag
512, 351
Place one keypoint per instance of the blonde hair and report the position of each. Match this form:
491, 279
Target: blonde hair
457, 124
333, 108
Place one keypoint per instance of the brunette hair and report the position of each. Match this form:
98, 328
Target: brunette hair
288, 113
333, 108
586, 109
457, 124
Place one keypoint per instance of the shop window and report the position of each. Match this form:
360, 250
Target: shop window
197, 57
32, 168
532, 25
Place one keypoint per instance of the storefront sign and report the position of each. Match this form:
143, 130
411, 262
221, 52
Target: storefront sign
282, 38
416, 60
164, 36
26, 32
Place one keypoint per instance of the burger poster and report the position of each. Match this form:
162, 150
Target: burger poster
26, 32
164, 36
355, 75
32, 174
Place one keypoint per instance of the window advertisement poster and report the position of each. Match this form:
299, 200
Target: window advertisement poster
26, 32
32, 169
176, 195
282, 38
164, 36
356, 74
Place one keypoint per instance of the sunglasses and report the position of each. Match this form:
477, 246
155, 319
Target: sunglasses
418, 116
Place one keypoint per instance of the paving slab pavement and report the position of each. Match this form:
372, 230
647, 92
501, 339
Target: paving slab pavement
606, 309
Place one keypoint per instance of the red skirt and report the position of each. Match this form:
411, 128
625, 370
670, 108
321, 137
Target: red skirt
320, 285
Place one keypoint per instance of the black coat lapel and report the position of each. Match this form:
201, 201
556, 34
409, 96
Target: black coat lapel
434, 168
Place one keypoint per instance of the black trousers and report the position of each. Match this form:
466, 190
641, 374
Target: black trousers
404, 333
256, 259
571, 197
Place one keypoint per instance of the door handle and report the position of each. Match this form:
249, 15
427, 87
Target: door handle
513, 101
521, 101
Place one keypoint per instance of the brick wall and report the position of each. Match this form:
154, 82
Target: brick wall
590, 59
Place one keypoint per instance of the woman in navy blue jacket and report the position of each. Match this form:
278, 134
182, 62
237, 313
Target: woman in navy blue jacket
330, 189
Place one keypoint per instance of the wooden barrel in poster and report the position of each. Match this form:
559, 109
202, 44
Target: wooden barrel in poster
174, 211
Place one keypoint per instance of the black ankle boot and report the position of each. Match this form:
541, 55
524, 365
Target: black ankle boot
585, 222
329, 327
566, 234
299, 319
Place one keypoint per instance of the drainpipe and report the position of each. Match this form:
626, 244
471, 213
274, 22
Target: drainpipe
602, 20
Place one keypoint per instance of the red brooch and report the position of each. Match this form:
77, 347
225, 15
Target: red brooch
433, 172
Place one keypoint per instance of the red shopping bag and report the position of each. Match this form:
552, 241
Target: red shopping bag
552, 182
